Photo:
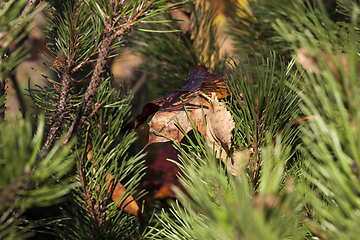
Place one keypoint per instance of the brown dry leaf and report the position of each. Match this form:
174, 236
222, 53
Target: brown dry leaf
310, 63
129, 205
239, 160
161, 173
220, 123
269, 201
163, 121
219, 126
172, 105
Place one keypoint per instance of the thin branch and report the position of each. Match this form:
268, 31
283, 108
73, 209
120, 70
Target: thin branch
109, 36
83, 62
2, 93
90, 206
140, 83
19, 95
29, 4
58, 119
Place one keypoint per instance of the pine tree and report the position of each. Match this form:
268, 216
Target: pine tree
292, 83
302, 181
84, 156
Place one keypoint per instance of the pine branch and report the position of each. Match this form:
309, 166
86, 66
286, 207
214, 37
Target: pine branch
109, 36
24, 187
2, 97
14, 17
61, 62
19, 94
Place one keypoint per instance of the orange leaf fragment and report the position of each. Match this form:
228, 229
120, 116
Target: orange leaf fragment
129, 204
164, 191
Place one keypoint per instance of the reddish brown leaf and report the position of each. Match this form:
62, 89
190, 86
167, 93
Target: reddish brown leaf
165, 191
161, 173
172, 105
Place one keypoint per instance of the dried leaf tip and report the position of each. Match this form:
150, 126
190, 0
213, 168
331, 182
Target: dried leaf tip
219, 124
218, 137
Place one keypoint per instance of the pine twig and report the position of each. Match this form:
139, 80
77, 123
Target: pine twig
2, 93
19, 94
110, 34
58, 119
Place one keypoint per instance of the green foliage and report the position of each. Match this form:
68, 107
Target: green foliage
26, 179
223, 207
14, 18
331, 142
263, 102
81, 105
302, 181
318, 196
74, 30
170, 54
92, 214
216, 203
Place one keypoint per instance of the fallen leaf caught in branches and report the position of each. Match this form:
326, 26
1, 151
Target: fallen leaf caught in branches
161, 173
129, 204
118, 191
172, 105
220, 124
200, 98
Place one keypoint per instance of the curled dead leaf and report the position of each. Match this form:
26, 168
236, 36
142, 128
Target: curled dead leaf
218, 130
162, 125
220, 124
129, 204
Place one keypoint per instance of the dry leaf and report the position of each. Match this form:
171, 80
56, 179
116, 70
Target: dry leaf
239, 160
181, 14
269, 201
310, 63
172, 105
161, 173
220, 123
163, 121
219, 126
129, 205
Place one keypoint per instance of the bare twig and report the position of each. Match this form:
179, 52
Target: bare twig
29, 4
2, 93
20, 96
139, 84
88, 200
57, 120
